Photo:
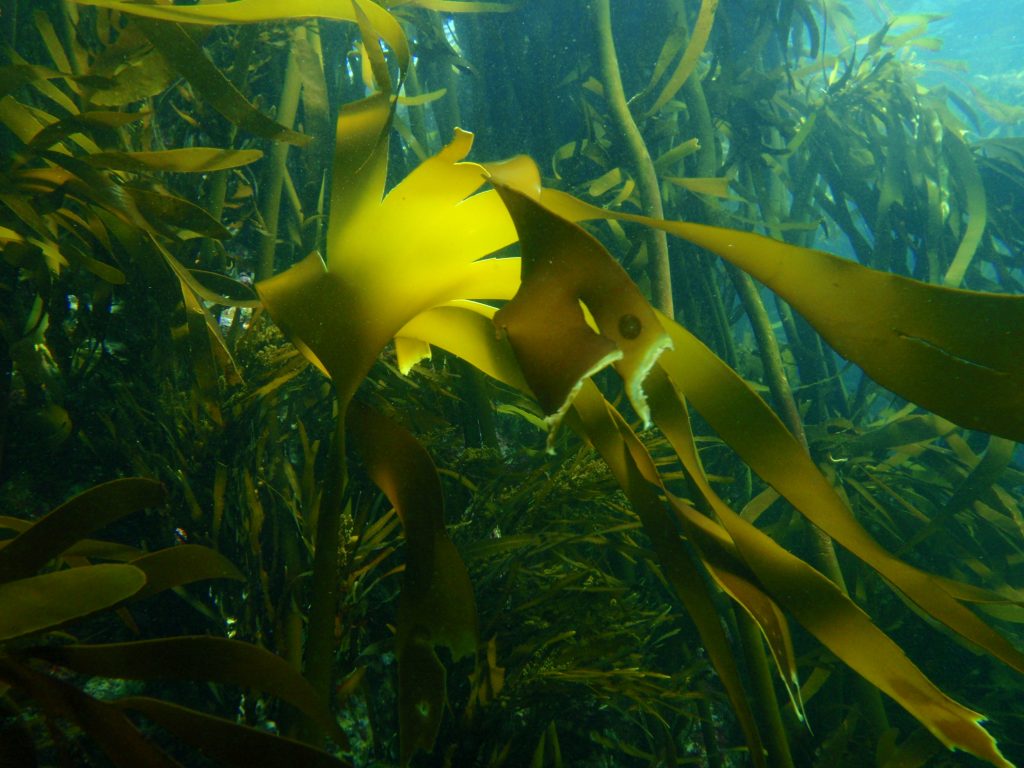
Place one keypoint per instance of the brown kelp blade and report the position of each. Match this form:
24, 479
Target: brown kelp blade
744, 421
75, 519
592, 417
42, 602
211, 659
437, 605
562, 268
820, 606
957, 353
225, 741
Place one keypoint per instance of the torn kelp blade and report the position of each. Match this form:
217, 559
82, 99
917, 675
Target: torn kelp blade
957, 353
562, 268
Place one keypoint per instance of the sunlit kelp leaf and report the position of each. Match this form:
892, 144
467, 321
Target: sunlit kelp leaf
955, 352
821, 607
227, 742
744, 421
41, 602
210, 659
466, 329
246, 11
75, 519
116, 735
189, 59
379, 274
716, 186
962, 164
192, 160
436, 605
591, 416
183, 564
688, 62
552, 340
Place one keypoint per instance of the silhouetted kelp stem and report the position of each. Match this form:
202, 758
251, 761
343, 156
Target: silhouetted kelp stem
217, 190
646, 177
6, 370
319, 651
765, 701
706, 165
825, 555
68, 23
753, 650
277, 160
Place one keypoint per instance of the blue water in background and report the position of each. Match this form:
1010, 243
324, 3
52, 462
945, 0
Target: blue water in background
982, 47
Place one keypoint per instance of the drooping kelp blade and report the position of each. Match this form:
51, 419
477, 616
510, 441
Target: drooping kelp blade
698, 40
189, 59
228, 742
42, 602
175, 566
192, 160
592, 419
744, 421
820, 606
110, 729
211, 659
74, 520
957, 353
248, 11
436, 606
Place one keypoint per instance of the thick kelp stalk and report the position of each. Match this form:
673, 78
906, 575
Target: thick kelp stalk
647, 181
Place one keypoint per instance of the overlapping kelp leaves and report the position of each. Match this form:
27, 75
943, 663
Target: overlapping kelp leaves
36, 605
415, 264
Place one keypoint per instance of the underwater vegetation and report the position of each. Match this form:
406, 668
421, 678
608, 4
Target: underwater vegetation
579, 454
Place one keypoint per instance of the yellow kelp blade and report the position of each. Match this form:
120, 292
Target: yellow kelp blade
958, 353
556, 347
191, 160
687, 64
436, 606
392, 258
188, 59
820, 606
746, 423
466, 329
248, 11
962, 164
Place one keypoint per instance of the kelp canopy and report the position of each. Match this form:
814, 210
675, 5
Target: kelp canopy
576, 453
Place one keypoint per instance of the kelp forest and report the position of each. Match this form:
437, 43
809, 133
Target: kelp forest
515, 383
